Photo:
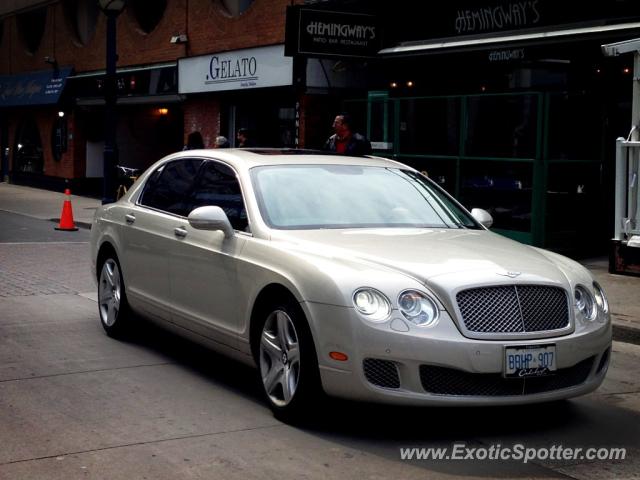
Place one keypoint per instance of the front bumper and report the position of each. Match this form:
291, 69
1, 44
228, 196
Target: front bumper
410, 365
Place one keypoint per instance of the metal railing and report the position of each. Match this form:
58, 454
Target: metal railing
627, 200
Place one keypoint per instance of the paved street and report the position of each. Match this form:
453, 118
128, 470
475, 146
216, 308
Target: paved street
77, 404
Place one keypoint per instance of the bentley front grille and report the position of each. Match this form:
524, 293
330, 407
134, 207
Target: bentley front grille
514, 309
448, 381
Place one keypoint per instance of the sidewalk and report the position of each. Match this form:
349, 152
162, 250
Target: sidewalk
45, 204
622, 291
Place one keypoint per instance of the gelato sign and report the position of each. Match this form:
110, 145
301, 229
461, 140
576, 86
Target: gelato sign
236, 70
336, 34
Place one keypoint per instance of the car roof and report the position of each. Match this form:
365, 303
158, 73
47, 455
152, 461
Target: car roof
244, 159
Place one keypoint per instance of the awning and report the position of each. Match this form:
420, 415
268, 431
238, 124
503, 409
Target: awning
489, 41
133, 100
120, 70
35, 88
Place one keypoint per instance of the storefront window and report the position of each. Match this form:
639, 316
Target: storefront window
430, 126
147, 14
381, 125
28, 148
502, 126
502, 188
575, 203
59, 137
31, 28
441, 170
575, 127
82, 16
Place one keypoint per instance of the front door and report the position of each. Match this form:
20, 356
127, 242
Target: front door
203, 265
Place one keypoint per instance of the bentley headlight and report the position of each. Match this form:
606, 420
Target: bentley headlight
585, 304
418, 308
372, 304
601, 299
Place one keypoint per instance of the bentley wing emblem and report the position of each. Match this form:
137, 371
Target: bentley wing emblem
509, 274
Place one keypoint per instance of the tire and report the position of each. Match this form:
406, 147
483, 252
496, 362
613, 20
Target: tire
287, 362
115, 315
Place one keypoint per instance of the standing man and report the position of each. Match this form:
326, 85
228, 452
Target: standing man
243, 138
345, 141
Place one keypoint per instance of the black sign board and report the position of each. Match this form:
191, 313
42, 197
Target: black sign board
322, 33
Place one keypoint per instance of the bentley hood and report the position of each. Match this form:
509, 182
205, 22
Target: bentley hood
436, 257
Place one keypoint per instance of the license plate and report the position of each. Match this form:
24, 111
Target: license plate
529, 361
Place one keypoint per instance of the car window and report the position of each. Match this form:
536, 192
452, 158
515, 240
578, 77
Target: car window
217, 185
168, 188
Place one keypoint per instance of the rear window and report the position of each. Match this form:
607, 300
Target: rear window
168, 188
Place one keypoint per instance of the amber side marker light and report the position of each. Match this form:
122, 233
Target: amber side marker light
339, 356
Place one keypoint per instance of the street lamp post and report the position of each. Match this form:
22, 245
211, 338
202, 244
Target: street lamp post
111, 8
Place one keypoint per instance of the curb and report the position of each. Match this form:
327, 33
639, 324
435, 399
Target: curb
622, 333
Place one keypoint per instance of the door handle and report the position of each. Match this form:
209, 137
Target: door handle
130, 218
180, 232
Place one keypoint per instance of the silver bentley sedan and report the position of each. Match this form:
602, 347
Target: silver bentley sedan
355, 277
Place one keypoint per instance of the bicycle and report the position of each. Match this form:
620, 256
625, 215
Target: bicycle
126, 176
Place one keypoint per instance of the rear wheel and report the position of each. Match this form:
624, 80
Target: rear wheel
114, 310
287, 362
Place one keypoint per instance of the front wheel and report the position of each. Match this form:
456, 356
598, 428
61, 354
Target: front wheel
112, 299
287, 362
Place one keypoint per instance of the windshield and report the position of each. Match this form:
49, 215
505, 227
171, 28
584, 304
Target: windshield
344, 196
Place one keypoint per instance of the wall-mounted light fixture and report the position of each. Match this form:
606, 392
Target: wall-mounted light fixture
163, 111
180, 38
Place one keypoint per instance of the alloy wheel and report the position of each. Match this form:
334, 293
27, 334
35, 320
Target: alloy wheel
109, 292
279, 358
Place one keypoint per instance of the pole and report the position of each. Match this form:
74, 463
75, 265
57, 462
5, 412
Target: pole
110, 96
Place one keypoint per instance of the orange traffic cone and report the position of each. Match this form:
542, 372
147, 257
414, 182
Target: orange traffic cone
66, 218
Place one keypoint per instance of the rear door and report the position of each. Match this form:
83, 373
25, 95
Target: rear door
149, 235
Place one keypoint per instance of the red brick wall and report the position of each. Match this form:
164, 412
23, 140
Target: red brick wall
211, 30
203, 115
208, 27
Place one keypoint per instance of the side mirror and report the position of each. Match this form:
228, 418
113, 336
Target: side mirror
482, 216
210, 218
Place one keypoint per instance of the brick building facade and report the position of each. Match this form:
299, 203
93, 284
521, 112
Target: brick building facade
153, 117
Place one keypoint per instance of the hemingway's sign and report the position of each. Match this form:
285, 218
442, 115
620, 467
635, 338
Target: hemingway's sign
236, 70
514, 15
332, 34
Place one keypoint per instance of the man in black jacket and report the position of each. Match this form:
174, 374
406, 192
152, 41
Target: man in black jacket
346, 142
